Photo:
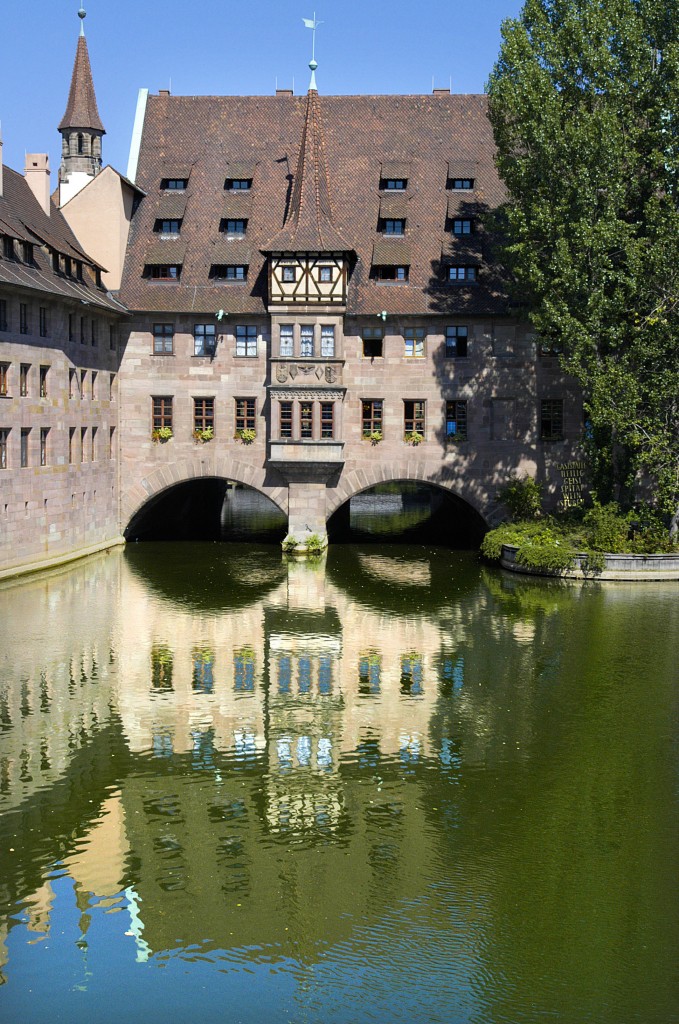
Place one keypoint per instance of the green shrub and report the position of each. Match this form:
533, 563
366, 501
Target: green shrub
314, 544
546, 554
607, 529
290, 543
522, 497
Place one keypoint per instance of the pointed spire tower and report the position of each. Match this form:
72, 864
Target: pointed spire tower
309, 255
81, 127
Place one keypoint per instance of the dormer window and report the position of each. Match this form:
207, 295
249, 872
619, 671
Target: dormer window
461, 275
289, 274
164, 271
325, 275
173, 184
462, 184
68, 266
167, 227
8, 247
395, 226
234, 228
55, 261
392, 274
462, 226
79, 269
229, 272
238, 184
394, 184
28, 252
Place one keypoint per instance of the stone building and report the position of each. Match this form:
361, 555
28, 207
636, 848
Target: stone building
313, 307
59, 337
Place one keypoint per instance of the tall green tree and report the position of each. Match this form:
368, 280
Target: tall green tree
584, 104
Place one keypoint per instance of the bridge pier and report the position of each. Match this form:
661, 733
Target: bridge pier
306, 510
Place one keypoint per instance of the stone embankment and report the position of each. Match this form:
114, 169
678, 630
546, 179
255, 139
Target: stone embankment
616, 567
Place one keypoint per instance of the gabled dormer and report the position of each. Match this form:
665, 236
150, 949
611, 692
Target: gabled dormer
308, 258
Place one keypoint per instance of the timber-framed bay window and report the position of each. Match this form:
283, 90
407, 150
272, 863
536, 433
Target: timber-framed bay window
307, 419
414, 421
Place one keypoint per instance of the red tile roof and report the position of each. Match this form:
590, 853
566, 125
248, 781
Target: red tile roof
291, 139
22, 217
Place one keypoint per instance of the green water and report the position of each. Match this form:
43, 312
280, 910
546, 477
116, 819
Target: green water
394, 787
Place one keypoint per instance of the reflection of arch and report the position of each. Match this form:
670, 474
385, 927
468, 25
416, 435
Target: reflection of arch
448, 480
193, 468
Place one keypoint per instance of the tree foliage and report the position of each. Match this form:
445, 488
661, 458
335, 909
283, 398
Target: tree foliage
584, 103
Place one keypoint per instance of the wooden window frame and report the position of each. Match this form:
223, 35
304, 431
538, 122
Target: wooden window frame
161, 411
457, 341
202, 333
161, 333
245, 414
456, 419
414, 416
413, 342
247, 335
372, 416
204, 413
285, 420
551, 419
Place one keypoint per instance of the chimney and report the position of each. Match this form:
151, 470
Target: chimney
441, 92
37, 175
284, 92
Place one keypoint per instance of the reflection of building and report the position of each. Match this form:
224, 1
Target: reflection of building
314, 305
54, 687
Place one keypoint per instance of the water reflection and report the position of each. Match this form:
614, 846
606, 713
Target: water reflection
392, 786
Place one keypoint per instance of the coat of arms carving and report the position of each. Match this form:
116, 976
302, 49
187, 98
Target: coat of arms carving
281, 373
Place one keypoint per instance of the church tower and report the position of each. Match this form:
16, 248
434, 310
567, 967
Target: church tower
80, 127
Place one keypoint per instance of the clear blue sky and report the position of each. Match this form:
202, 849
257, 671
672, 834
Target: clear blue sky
222, 47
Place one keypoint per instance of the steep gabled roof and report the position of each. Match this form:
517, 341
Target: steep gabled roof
81, 109
22, 217
309, 225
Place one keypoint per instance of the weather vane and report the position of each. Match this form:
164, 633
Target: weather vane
313, 25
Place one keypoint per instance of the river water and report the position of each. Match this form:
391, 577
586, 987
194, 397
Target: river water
393, 786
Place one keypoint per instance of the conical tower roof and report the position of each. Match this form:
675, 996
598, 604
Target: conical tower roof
309, 225
81, 109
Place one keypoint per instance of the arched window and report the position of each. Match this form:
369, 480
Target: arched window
81, 143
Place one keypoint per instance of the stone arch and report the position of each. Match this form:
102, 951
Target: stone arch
446, 478
184, 470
